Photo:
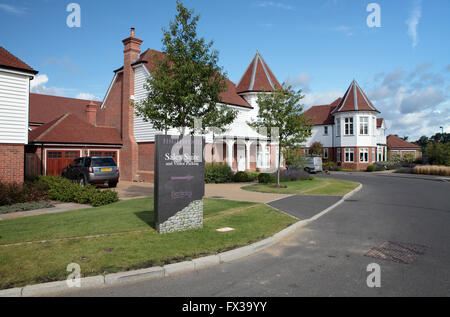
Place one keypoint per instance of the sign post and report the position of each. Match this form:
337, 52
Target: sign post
179, 182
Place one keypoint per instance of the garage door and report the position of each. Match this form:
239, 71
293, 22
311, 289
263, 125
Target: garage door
113, 154
57, 160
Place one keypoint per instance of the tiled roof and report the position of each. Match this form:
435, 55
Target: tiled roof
8, 60
44, 108
229, 96
394, 142
320, 115
355, 100
69, 129
258, 77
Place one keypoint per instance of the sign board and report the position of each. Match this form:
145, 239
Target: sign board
179, 182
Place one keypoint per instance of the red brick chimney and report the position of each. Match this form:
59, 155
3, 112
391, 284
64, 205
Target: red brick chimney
129, 153
91, 113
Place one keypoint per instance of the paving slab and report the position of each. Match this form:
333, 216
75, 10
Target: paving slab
304, 206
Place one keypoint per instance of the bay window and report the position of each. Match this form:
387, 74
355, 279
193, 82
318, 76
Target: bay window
364, 155
349, 155
348, 126
364, 126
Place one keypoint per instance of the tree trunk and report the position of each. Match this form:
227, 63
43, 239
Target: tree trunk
279, 165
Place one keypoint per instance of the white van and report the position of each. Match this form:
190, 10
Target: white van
313, 164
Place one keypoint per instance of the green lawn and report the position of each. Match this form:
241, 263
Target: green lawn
125, 249
317, 186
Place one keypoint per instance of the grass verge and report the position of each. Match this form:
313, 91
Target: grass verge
317, 186
125, 249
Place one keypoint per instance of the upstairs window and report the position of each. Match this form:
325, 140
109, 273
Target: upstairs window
364, 126
348, 126
325, 130
338, 127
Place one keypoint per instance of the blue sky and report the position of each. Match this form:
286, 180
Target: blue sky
319, 46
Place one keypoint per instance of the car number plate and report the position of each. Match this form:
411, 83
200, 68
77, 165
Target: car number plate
106, 170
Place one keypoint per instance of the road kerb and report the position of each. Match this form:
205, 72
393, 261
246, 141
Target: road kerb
171, 269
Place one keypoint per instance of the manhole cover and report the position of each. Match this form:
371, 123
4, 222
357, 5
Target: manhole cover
405, 253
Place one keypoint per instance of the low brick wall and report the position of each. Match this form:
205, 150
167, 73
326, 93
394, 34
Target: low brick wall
191, 217
12, 163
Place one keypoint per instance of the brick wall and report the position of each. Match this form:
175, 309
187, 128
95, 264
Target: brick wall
11, 163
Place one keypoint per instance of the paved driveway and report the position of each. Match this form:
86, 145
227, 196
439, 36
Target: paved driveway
327, 257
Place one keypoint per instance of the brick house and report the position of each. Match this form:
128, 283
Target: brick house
349, 130
15, 77
401, 147
63, 129
240, 146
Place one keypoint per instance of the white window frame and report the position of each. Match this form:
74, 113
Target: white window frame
349, 151
374, 158
338, 127
349, 128
364, 125
262, 161
338, 153
325, 130
364, 155
325, 153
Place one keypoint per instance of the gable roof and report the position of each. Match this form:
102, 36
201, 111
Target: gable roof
68, 128
257, 77
9, 61
229, 96
355, 100
45, 108
394, 142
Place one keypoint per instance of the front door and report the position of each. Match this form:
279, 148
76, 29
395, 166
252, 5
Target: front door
241, 158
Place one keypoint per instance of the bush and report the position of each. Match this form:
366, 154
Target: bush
216, 173
252, 176
62, 189
371, 168
240, 177
25, 207
438, 153
432, 170
293, 175
11, 194
265, 178
330, 166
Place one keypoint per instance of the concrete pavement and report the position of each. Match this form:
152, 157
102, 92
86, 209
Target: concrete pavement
327, 257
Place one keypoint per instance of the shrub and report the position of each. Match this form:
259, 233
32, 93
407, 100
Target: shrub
438, 153
216, 173
252, 176
330, 166
25, 207
293, 175
266, 178
11, 194
371, 168
240, 177
432, 170
62, 189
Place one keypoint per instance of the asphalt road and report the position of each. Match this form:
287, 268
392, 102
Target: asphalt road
327, 258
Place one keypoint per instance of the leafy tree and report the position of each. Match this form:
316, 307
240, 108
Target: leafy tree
316, 148
186, 82
281, 111
422, 142
438, 153
294, 158
441, 137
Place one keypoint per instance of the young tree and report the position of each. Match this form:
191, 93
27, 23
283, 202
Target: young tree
186, 81
281, 111
316, 148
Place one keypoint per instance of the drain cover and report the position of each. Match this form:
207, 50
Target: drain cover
217, 197
405, 253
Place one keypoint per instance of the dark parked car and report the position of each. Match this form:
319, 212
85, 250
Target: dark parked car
93, 170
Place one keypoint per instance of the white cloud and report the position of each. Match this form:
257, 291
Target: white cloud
301, 81
39, 85
86, 96
271, 4
420, 100
322, 98
12, 9
413, 22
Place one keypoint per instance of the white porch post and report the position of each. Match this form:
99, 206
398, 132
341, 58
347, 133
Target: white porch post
230, 147
248, 145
